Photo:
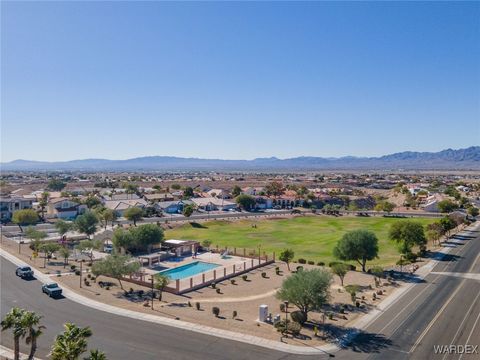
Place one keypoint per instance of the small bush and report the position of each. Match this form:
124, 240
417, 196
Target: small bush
330, 316
89, 276
130, 291
73, 267
299, 317
352, 267
232, 281
218, 291
302, 261
374, 296
215, 311
87, 283
277, 268
107, 288
282, 307
234, 314
264, 274
189, 304
321, 263
244, 277
352, 288
311, 262
197, 305
357, 304
213, 285
331, 263
299, 268
77, 272
288, 326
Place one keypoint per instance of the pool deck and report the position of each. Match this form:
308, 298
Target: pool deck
226, 266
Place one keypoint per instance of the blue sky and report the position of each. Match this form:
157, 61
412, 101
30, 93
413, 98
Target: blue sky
237, 80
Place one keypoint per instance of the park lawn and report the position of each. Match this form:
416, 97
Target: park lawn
310, 237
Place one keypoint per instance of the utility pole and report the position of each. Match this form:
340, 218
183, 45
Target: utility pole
152, 290
81, 268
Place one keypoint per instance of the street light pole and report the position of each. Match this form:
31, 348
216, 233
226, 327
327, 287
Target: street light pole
81, 268
286, 319
152, 291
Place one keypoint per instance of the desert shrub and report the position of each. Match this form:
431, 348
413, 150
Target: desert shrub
107, 288
264, 274
73, 267
244, 277
234, 314
232, 281
77, 272
197, 305
299, 268
302, 261
282, 307
288, 326
189, 304
218, 291
311, 262
321, 263
298, 317
213, 285
215, 311
330, 316
277, 268
357, 304
352, 288
331, 263
87, 283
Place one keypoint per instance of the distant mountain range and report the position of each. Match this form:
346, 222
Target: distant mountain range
461, 159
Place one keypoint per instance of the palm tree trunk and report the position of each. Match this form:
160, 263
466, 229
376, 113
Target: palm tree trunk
33, 348
16, 348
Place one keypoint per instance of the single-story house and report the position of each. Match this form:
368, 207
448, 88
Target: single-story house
171, 207
159, 197
119, 206
213, 203
64, 208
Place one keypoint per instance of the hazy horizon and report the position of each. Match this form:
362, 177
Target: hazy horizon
119, 80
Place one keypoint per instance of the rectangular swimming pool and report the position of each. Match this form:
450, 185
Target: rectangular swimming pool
188, 270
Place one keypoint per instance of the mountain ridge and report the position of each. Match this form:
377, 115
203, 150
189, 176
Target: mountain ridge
448, 159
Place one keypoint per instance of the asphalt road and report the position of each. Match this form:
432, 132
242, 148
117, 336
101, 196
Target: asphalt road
441, 310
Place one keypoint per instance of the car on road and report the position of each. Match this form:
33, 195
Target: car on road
25, 272
52, 289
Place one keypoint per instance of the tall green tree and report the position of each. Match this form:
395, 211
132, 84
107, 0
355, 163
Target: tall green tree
237, 190
31, 321
448, 224
65, 254
43, 203
188, 192
48, 250
122, 240
133, 214
188, 210
408, 234
246, 202
160, 282
33, 234
307, 289
340, 270
287, 256
87, 223
105, 216
70, 344
56, 185
147, 235
447, 206
357, 245
14, 321
63, 226
116, 266
274, 188
25, 217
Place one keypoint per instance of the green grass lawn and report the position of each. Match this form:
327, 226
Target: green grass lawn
311, 237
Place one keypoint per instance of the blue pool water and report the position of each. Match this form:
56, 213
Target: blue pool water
189, 270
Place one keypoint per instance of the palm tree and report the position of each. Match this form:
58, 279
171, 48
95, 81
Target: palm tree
161, 281
70, 344
96, 355
14, 321
31, 321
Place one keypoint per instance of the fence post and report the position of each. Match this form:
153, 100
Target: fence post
233, 266
244, 265
191, 282
235, 251
214, 274
244, 252
252, 263
177, 285
224, 272
203, 278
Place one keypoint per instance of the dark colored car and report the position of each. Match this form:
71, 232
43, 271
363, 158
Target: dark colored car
25, 272
52, 289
